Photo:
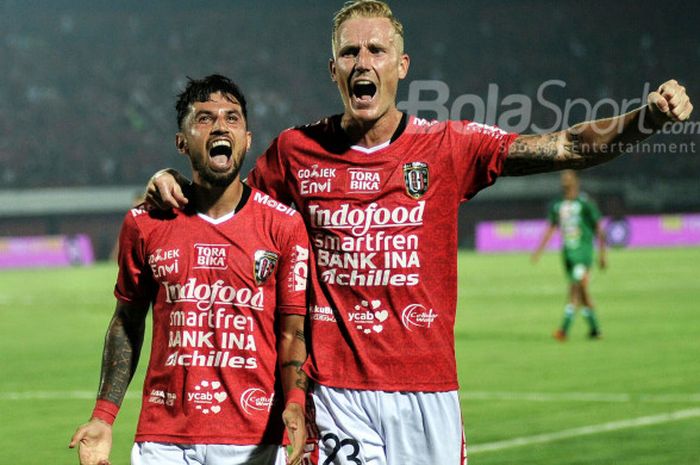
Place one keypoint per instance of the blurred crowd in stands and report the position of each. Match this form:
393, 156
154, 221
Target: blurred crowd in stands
87, 87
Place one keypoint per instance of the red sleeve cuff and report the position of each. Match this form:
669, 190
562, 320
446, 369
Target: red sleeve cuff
298, 396
105, 411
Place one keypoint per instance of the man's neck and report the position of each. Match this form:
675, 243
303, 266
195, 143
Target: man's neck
216, 201
370, 134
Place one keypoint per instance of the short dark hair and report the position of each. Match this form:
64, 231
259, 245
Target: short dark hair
199, 90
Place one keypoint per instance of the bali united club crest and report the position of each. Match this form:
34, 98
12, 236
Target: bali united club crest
415, 176
265, 263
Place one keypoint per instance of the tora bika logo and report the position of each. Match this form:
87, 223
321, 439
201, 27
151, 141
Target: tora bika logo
255, 400
211, 256
416, 315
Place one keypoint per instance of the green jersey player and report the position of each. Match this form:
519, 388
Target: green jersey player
578, 219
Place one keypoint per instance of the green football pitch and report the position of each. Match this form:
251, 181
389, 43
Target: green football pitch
631, 398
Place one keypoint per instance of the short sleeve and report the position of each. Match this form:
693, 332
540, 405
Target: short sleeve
293, 270
479, 152
134, 280
268, 174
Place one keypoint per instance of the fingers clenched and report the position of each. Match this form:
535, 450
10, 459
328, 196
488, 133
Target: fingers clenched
672, 100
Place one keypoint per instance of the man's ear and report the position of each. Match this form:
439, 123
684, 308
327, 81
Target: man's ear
181, 143
404, 63
331, 68
249, 140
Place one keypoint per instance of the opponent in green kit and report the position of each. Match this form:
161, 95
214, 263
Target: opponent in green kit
578, 220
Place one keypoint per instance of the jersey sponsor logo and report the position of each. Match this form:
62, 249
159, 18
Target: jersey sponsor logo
265, 264
161, 255
315, 180
256, 400
208, 397
160, 269
322, 314
416, 178
361, 220
300, 270
206, 295
485, 129
161, 397
380, 278
138, 211
417, 316
363, 181
369, 317
422, 122
213, 358
211, 256
265, 199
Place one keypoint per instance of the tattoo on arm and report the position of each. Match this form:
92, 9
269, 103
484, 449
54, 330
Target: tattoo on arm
121, 353
532, 154
302, 381
299, 334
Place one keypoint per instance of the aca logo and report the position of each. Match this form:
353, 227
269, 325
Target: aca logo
207, 397
256, 400
416, 316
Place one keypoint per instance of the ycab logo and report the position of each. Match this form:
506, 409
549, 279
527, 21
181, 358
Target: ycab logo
207, 396
255, 400
417, 316
211, 256
369, 317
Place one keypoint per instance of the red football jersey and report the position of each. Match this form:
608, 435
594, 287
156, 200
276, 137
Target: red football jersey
218, 288
383, 229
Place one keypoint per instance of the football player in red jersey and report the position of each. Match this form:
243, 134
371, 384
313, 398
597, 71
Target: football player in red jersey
226, 281
379, 192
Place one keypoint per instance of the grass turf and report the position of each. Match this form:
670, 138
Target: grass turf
517, 382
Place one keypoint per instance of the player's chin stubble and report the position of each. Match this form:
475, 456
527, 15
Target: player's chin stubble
214, 178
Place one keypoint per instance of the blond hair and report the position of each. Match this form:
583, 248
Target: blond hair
365, 9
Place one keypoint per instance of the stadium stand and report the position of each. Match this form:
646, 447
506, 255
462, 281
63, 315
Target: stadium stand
87, 86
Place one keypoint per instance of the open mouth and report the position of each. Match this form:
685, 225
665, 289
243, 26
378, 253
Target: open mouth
220, 147
220, 153
363, 90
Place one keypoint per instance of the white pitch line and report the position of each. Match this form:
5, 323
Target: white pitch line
586, 430
579, 397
